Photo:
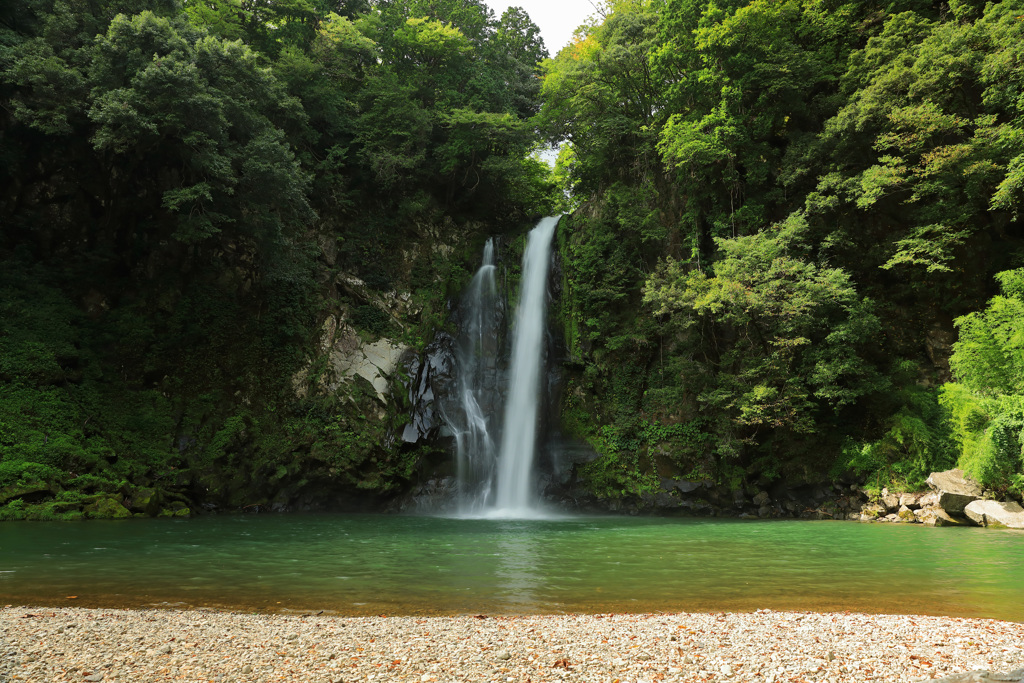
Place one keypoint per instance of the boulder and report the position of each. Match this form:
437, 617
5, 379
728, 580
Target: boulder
106, 507
891, 501
934, 516
995, 514
762, 499
146, 500
955, 490
871, 512
905, 514
912, 500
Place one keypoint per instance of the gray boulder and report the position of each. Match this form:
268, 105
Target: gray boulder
905, 514
956, 490
995, 514
891, 501
936, 517
912, 500
871, 511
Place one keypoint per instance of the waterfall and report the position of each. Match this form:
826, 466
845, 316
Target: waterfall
497, 482
515, 488
477, 356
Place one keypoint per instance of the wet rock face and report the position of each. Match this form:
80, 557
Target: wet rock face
437, 495
939, 346
431, 382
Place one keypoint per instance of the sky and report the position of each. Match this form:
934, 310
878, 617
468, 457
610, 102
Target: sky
557, 19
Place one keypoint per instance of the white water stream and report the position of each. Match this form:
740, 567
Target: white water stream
477, 358
516, 494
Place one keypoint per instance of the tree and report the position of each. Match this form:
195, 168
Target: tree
206, 110
919, 166
987, 400
791, 334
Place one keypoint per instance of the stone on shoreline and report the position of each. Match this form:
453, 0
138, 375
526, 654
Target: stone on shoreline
905, 514
956, 490
871, 511
995, 514
918, 499
37, 644
935, 516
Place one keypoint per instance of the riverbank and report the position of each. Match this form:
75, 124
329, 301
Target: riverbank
74, 644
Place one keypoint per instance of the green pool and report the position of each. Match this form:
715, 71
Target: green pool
367, 564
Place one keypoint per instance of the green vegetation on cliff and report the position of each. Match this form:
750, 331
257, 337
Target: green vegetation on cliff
783, 207
190, 191
793, 255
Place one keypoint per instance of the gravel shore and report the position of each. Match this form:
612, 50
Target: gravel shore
71, 644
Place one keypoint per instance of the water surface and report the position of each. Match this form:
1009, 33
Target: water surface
366, 564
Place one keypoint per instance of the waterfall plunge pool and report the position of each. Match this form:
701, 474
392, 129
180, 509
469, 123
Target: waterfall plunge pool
398, 565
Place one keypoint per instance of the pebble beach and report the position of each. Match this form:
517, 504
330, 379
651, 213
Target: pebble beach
77, 644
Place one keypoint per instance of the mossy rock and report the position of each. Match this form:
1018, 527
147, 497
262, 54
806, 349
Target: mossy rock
146, 501
106, 508
176, 512
29, 490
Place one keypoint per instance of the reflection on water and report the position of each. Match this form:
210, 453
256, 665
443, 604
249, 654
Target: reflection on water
517, 574
364, 564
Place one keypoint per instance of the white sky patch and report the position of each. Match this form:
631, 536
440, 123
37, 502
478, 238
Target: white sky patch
557, 19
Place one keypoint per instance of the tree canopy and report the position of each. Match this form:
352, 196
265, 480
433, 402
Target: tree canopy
798, 198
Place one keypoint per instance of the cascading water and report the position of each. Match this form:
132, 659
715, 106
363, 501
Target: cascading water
492, 482
515, 488
477, 357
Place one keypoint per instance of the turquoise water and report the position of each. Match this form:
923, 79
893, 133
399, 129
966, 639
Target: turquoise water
365, 564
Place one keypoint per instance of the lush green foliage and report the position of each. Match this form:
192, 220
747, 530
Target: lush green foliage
780, 208
806, 194
189, 190
797, 330
987, 401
